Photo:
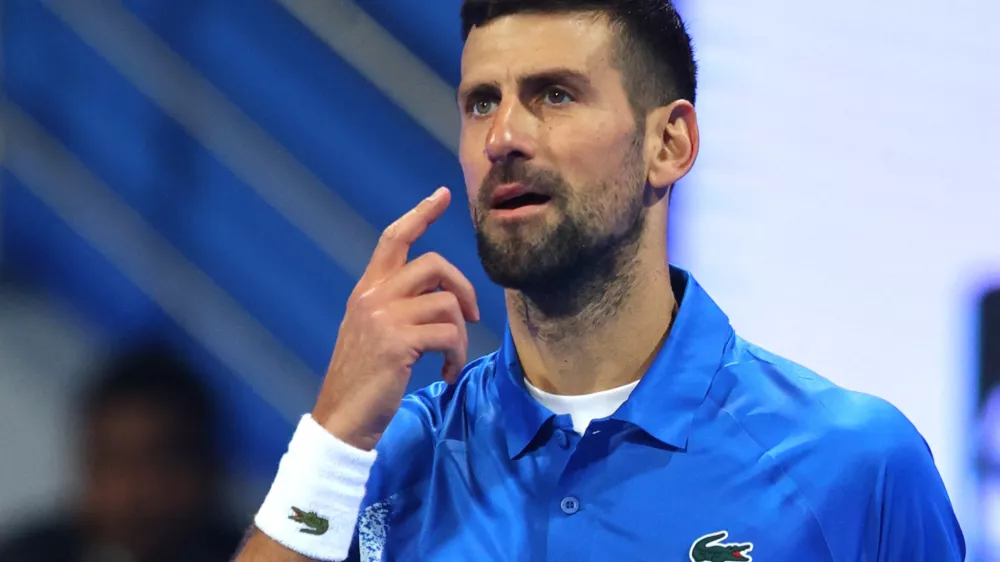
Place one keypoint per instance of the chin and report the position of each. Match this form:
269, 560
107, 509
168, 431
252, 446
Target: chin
519, 263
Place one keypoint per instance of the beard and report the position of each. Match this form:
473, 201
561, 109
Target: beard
584, 258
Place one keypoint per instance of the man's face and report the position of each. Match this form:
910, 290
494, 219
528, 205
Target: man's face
144, 484
546, 112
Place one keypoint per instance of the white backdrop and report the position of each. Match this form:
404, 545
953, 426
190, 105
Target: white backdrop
845, 209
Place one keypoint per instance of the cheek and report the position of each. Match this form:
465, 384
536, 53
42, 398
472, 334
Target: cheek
594, 181
474, 170
606, 187
590, 156
472, 183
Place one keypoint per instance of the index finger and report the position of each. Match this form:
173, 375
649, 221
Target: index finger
394, 246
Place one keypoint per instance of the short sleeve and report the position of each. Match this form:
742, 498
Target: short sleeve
405, 459
917, 521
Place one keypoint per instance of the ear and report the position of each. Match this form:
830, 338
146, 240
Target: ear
671, 143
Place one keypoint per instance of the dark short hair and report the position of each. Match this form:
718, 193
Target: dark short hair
159, 377
653, 50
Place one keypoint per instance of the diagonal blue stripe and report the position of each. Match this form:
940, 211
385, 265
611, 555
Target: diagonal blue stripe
431, 30
329, 117
197, 203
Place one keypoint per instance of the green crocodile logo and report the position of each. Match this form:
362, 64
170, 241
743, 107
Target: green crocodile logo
709, 548
314, 524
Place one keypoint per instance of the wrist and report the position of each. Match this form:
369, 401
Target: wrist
315, 499
348, 432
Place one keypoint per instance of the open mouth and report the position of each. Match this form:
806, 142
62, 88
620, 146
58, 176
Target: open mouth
517, 197
523, 200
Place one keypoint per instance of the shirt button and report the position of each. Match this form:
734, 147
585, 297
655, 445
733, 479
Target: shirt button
569, 505
562, 438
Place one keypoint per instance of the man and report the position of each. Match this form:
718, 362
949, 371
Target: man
621, 419
148, 473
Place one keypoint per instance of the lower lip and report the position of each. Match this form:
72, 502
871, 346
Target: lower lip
519, 212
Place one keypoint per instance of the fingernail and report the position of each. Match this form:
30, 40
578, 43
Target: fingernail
437, 194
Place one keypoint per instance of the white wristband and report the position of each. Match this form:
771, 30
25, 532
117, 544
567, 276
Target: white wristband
315, 498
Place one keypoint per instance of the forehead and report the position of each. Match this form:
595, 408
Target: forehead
524, 43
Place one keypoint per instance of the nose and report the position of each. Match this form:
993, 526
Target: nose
513, 133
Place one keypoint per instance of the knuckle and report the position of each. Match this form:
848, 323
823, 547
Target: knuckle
375, 314
367, 300
449, 300
387, 328
390, 234
469, 292
453, 336
435, 259
380, 319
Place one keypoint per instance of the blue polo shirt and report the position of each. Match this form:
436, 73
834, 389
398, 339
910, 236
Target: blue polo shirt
722, 452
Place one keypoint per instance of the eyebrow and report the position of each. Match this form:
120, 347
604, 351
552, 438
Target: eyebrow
533, 81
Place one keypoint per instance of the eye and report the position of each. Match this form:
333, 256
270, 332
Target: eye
481, 107
556, 96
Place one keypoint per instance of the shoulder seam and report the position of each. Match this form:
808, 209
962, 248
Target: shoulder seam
751, 351
798, 488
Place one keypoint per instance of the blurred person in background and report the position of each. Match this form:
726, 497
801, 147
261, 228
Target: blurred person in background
149, 472
989, 427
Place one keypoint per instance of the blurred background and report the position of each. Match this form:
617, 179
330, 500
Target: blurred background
190, 190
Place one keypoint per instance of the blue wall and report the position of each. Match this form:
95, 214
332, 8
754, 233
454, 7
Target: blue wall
319, 108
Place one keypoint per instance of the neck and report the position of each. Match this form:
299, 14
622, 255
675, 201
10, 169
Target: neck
608, 340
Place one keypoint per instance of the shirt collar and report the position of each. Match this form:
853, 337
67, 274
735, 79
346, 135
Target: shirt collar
523, 415
664, 403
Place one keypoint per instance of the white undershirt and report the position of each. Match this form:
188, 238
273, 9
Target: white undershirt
585, 408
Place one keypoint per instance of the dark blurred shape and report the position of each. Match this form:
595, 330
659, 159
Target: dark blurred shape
989, 344
989, 428
989, 383
150, 472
